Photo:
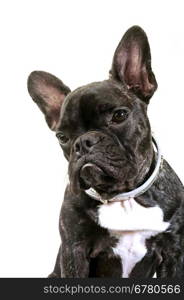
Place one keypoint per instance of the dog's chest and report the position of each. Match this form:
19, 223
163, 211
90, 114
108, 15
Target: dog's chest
132, 224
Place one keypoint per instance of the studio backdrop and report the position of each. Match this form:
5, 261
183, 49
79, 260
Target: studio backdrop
74, 40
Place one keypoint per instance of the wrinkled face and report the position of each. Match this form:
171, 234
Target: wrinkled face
103, 127
105, 134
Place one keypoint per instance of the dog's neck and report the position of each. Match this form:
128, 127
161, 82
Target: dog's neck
140, 189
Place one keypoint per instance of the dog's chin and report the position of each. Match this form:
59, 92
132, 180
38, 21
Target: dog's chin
92, 176
106, 191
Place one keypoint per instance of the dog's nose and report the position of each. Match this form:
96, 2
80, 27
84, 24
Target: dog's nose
85, 143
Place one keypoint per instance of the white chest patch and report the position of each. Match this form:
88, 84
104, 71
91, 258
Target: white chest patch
132, 224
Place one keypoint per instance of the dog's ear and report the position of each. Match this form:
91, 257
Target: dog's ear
132, 64
48, 92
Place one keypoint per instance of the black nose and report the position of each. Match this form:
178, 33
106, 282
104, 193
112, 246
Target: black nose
85, 143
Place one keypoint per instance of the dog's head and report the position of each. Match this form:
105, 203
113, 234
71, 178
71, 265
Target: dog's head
103, 127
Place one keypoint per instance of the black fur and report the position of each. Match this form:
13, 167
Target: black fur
105, 134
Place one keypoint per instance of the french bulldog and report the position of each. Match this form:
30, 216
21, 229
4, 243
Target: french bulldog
123, 209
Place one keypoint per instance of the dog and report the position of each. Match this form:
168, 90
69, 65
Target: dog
123, 209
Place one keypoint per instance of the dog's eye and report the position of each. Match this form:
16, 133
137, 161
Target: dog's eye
120, 115
63, 139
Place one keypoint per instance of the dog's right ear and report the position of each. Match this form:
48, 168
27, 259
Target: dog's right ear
132, 64
49, 93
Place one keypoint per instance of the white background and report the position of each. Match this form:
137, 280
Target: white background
75, 40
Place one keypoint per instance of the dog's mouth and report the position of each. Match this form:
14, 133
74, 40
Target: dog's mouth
106, 177
92, 175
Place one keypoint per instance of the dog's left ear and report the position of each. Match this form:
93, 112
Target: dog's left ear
132, 64
48, 92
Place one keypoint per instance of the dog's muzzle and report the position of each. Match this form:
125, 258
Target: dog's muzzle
93, 175
137, 191
85, 143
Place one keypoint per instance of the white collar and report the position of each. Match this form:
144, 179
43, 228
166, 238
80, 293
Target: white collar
139, 190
